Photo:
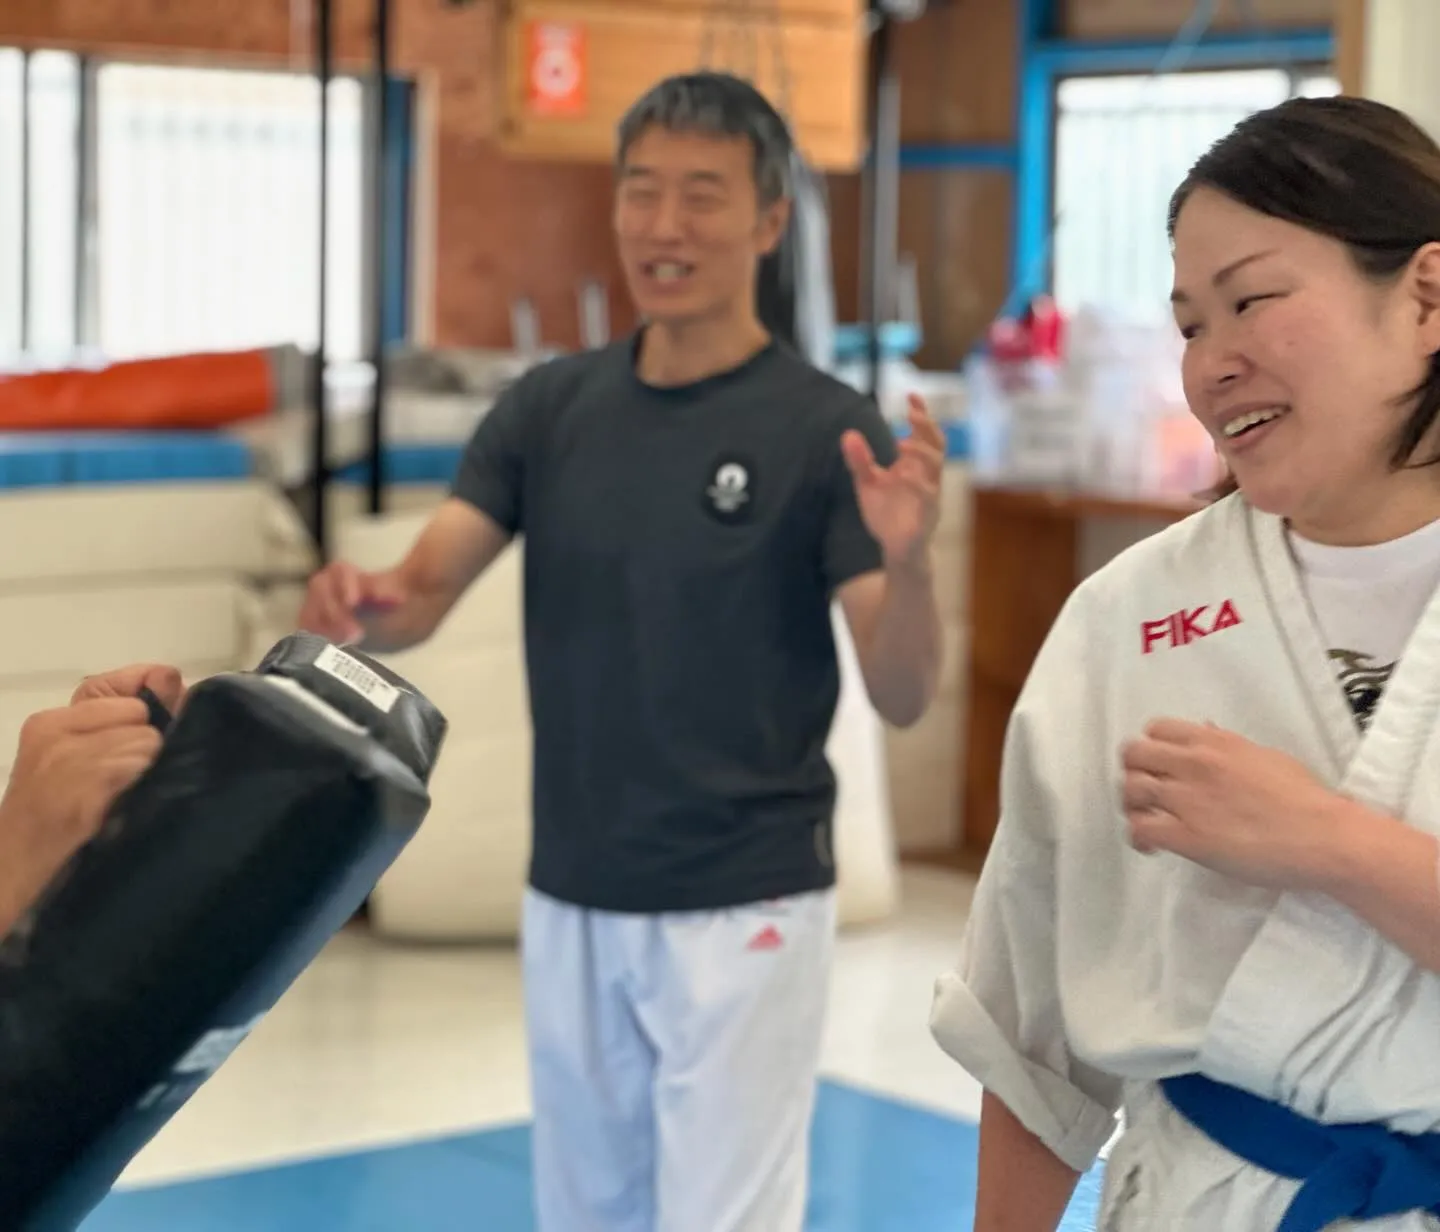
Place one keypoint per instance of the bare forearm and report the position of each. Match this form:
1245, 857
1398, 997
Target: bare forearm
406, 625
902, 661
456, 547
1024, 1186
1388, 874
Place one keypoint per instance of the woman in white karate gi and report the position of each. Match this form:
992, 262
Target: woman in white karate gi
1214, 897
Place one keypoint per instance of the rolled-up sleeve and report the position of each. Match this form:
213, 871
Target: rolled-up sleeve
998, 1013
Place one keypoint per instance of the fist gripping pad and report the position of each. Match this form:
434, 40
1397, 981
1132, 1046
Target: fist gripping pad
279, 798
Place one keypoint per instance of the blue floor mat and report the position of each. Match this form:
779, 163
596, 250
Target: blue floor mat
877, 1166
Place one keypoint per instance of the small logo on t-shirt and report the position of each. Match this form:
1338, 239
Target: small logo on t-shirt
731, 490
1363, 680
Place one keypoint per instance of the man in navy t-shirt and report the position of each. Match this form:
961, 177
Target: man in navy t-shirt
693, 500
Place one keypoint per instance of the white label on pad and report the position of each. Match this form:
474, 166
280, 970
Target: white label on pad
213, 1049
346, 668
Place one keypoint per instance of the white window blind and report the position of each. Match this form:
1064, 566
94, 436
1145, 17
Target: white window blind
207, 210
12, 242
54, 202
1122, 146
39, 178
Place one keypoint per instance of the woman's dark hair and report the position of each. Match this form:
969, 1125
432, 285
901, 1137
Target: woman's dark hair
1349, 168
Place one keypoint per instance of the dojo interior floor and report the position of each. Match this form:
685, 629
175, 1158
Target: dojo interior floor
387, 1091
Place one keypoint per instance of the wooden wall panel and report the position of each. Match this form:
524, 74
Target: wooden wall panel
500, 229
521, 228
269, 31
958, 81
736, 25
957, 67
813, 70
1152, 18
846, 213
957, 226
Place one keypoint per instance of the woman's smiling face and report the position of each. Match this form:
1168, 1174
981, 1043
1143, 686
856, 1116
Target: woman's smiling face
1298, 364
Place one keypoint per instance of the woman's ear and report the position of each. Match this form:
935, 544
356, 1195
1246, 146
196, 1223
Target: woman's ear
1425, 287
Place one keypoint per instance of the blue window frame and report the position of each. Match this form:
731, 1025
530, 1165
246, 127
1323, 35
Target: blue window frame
1046, 60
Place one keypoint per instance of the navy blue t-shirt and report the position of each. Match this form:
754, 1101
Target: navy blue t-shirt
682, 549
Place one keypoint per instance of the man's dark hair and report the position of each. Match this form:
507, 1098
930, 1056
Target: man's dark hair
1353, 169
717, 105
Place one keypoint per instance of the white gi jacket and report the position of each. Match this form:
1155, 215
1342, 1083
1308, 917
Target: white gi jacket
1090, 971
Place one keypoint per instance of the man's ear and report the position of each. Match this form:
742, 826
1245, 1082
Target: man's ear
774, 220
1425, 288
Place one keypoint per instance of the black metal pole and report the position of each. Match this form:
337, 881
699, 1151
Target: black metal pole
85, 146
320, 445
882, 185
25, 145
380, 271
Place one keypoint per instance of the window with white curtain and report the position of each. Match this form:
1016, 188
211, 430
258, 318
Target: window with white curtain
39, 207
156, 209
12, 182
208, 203
1122, 145
54, 192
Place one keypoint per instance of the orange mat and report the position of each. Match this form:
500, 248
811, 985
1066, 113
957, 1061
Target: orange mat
176, 392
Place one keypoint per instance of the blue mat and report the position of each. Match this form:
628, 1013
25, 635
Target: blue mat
878, 1166
43, 460
36, 460
33, 459
409, 464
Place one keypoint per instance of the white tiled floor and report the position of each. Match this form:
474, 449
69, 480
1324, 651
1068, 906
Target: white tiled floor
379, 1043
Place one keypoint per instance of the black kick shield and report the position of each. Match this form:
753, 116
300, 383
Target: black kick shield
278, 799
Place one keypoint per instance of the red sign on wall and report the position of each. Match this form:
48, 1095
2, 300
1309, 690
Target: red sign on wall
556, 81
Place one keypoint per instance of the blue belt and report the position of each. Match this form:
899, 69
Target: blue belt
1355, 1172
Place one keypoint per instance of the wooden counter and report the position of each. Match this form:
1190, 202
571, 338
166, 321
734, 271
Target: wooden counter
1030, 548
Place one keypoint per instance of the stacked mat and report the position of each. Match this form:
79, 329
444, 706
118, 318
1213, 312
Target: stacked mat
97, 574
463, 876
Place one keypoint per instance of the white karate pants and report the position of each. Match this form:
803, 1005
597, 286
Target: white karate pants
673, 1061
